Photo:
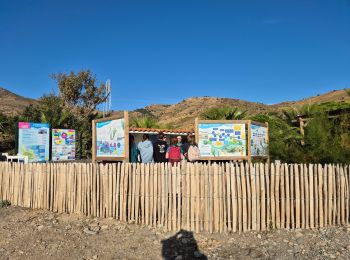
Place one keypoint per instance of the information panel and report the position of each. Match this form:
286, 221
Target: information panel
63, 144
34, 141
222, 139
259, 140
110, 138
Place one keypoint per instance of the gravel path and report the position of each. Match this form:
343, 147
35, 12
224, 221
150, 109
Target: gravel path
36, 234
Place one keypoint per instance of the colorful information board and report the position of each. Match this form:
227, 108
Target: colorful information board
63, 144
34, 141
259, 140
110, 138
222, 139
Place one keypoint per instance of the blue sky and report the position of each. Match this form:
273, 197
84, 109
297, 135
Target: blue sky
164, 51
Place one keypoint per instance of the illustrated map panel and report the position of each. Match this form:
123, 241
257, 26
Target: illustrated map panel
222, 140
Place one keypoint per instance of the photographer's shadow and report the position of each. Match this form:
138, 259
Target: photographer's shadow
181, 246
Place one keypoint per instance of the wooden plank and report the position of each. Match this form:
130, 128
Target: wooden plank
239, 198
312, 202
258, 198
287, 190
147, 193
316, 199
320, 195
220, 194
292, 196
211, 198
330, 194
179, 196
283, 196
249, 193
234, 197
297, 197
254, 196
228, 196
268, 199
216, 216
155, 194
273, 196
338, 199
334, 206
244, 196
307, 196
262, 197
342, 196
277, 195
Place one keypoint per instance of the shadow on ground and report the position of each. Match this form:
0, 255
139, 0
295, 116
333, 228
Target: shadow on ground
181, 246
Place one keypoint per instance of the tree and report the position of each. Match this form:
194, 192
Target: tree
224, 113
81, 93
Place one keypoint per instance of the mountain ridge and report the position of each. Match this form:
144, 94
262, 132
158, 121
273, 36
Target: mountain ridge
182, 114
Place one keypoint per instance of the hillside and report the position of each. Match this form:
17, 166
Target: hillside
182, 114
12, 104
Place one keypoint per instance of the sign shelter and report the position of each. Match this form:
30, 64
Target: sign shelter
231, 140
110, 139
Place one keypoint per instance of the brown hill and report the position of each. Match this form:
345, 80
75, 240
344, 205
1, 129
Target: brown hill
342, 95
182, 114
12, 104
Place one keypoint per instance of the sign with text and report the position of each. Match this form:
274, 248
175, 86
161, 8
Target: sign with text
34, 141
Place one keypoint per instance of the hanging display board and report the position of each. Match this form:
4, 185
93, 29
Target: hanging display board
222, 139
111, 139
34, 141
259, 139
63, 145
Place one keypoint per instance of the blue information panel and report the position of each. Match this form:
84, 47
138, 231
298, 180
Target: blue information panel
34, 141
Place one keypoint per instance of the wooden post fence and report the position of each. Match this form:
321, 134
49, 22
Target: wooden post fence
202, 197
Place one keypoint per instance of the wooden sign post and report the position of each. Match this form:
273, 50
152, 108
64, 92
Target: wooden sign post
124, 158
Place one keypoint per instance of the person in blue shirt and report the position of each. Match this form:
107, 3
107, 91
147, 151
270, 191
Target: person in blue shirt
146, 149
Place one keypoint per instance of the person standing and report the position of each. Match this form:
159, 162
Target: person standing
174, 153
193, 151
185, 146
146, 149
159, 149
133, 149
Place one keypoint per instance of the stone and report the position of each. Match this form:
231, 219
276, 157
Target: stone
298, 235
198, 254
179, 257
40, 227
95, 257
259, 236
89, 232
104, 227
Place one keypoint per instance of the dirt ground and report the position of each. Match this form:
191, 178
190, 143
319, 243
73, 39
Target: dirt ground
36, 234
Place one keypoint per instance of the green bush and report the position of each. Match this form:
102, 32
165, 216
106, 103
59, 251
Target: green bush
4, 203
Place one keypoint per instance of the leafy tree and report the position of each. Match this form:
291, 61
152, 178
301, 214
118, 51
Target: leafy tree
224, 113
81, 94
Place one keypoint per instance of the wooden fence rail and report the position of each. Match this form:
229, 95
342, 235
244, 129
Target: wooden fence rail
213, 197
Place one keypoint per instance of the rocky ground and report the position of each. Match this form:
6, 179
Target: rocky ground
36, 234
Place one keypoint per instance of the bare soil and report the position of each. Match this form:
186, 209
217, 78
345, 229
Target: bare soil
37, 234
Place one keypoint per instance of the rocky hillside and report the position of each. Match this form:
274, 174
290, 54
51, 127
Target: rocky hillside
12, 104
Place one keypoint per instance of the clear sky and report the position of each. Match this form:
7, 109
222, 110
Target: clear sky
164, 51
